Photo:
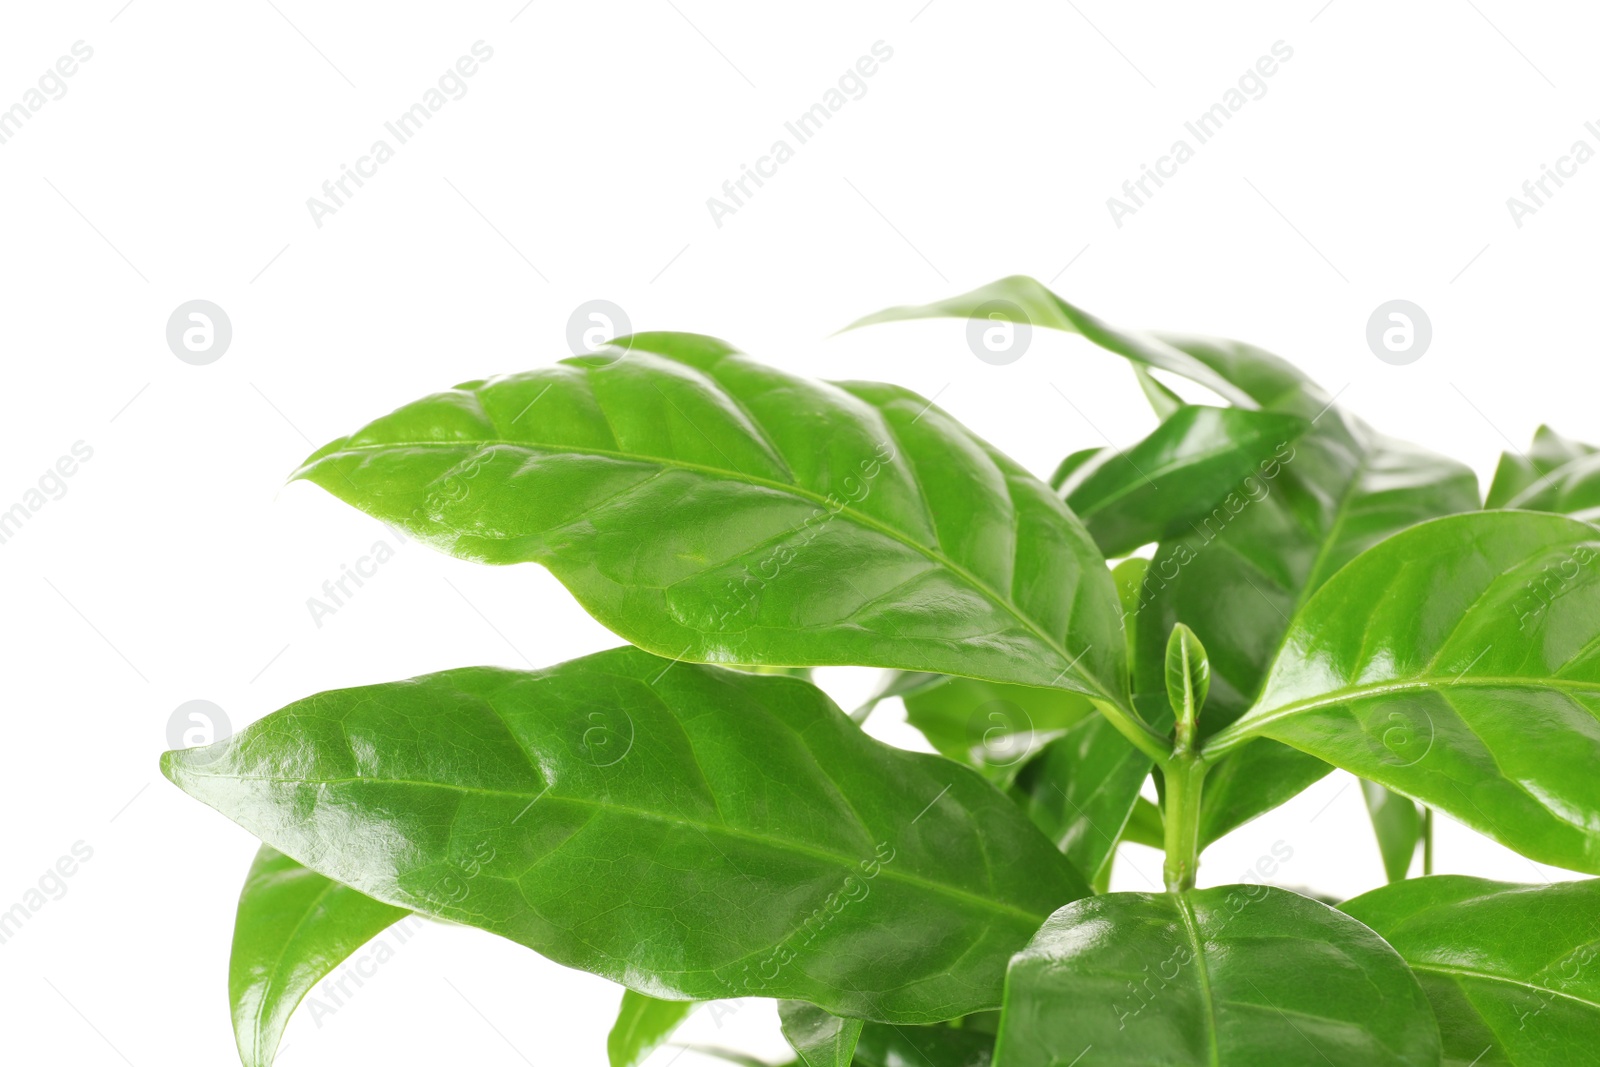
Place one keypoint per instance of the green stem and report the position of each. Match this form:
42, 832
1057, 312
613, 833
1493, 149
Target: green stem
1427, 841
1135, 729
1185, 777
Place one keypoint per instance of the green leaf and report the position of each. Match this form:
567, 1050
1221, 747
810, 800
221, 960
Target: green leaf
883, 1045
1397, 823
1186, 467
818, 1038
1024, 300
895, 684
687, 831
1236, 975
1080, 790
709, 508
1163, 401
1188, 679
1510, 969
1457, 664
1519, 471
294, 927
991, 727
643, 1024
1238, 577
1145, 825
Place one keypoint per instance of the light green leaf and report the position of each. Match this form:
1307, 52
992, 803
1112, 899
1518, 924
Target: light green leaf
1024, 300
293, 928
1187, 466
688, 831
1397, 824
1519, 471
710, 508
1458, 663
1237, 976
643, 1024
1188, 680
1163, 401
1510, 969
991, 727
818, 1038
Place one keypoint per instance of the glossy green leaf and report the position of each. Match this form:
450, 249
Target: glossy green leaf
293, 928
1511, 969
643, 1024
1237, 976
709, 508
817, 1037
883, 1045
1458, 663
1518, 471
1188, 675
1397, 824
991, 727
1024, 300
688, 831
1186, 467
1237, 578
1073, 461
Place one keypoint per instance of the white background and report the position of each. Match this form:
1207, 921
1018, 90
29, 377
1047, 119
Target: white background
577, 166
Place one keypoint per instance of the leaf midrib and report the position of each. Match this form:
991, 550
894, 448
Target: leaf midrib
1192, 928
861, 518
1484, 976
849, 863
1246, 727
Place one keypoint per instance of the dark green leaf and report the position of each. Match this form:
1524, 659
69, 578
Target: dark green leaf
1080, 790
818, 1038
1397, 824
1145, 826
709, 508
293, 928
1510, 969
1176, 476
688, 831
1237, 976
1458, 663
882, 1045
643, 1023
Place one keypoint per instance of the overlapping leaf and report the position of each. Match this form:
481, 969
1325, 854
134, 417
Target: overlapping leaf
688, 831
710, 508
293, 928
1458, 663
1511, 969
643, 1024
1246, 565
1236, 976
1155, 489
